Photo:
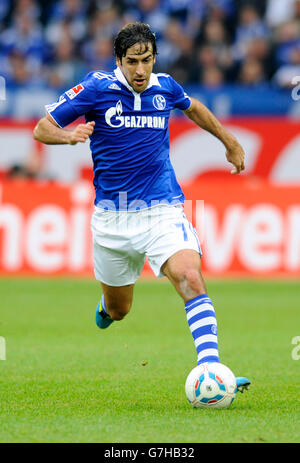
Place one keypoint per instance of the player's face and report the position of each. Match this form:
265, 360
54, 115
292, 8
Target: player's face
137, 65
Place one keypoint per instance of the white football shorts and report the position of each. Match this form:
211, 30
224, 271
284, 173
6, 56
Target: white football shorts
122, 240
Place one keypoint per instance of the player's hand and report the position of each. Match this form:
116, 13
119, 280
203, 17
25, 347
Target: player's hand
81, 133
236, 155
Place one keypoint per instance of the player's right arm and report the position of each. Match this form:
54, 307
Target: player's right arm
48, 131
74, 103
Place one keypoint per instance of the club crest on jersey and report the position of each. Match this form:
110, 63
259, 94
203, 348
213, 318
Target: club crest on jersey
159, 102
74, 91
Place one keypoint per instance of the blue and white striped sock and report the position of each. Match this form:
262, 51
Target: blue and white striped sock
202, 321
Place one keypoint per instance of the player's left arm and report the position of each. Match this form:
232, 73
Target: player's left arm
204, 118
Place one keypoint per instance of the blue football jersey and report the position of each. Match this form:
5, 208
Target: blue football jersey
130, 142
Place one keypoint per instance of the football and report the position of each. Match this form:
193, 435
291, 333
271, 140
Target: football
210, 385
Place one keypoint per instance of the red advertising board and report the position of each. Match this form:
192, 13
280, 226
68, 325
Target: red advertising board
246, 227
45, 228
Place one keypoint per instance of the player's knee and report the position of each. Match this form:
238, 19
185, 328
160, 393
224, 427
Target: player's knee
191, 277
119, 311
191, 283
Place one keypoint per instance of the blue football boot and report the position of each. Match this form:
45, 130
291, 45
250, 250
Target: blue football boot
242, 383
103, 320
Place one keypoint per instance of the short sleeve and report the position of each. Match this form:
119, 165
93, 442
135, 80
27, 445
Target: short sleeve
74, 103
181, 99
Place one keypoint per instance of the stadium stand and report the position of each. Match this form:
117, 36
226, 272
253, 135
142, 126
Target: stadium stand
232, 49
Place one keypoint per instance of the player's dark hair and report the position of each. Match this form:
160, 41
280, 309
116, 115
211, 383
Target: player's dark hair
131, 34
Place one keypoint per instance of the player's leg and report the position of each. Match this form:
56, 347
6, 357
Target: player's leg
174, 251
117, 265
118, 300
183, 269
115, 303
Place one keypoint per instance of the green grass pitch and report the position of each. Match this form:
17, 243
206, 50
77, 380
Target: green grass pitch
64, 380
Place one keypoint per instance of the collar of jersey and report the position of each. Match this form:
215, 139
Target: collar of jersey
121, 78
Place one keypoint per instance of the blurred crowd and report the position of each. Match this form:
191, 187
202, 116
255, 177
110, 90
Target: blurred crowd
212, 43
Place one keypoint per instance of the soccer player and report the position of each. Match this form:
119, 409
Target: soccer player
138, 202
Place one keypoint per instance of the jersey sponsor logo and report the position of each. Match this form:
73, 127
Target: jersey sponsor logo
115, 111
114, 118
159, 102
74, 91
119, 108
